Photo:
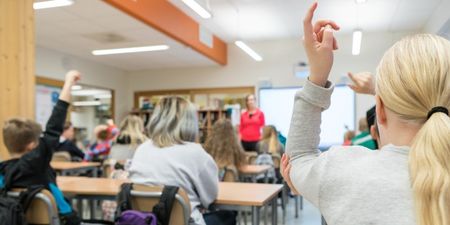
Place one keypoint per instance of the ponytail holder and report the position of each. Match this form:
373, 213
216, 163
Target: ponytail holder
437, 109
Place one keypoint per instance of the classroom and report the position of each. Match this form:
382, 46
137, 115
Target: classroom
225, 112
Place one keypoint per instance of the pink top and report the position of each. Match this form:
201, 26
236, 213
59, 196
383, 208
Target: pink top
251, 124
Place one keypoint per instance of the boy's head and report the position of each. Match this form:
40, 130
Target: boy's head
21, 135
101, 132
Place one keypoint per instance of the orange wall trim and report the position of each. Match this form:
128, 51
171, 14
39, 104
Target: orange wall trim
168, 19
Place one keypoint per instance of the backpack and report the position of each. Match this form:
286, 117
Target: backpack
160, 214
12, 210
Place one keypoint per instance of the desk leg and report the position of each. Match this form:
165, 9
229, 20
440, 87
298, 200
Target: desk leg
266, 177
95, 172
274, 211
92, 205
255, 215
64, 173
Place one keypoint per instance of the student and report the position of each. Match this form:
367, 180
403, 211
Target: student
171, 157
131, 135
31, 153
269, 142
102, 145
66, 143
348, 136
223, 145
252, 120
364, 138
408, 181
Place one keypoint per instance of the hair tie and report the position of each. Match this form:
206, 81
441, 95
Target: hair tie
437, 109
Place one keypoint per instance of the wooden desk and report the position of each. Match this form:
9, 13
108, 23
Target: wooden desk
253, 171
231, 195
67, 168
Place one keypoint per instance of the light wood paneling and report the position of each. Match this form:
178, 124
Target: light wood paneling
16, 62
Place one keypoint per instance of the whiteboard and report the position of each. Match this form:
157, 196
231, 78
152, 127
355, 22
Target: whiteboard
46, 98
278, 103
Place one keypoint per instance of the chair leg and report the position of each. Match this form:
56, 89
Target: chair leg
296, 206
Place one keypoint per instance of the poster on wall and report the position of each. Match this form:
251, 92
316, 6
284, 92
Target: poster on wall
46, 98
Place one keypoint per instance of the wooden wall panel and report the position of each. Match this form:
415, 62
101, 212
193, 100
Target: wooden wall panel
16, 62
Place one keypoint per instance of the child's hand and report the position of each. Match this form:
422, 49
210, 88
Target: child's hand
285, 171
362, 83
72, 77
319, 44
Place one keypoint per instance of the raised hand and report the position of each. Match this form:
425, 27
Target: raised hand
319, 44
71, 78
362, 83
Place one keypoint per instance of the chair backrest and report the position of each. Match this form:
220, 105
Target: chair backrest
231, 174
42, 210
276, 161
251, 157
145, 197
61, 157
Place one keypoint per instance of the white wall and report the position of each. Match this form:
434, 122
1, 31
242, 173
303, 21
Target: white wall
54, 64
439, 17
279, 58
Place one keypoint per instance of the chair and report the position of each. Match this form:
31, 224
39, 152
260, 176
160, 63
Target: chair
42, 210
231, 174
251, 157
144, 197
61, 157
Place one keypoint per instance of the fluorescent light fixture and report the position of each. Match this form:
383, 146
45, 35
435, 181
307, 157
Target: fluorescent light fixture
357, 37
248, 50
76, 87
205, 14
360, 1
150, 48
92, 92
87, 103
103, 96
52, 4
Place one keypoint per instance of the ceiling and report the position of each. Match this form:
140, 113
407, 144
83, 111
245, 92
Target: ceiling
92, 24
84, 26
254, 20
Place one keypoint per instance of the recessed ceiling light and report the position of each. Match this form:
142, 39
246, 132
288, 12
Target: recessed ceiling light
194, 5
130, 50
248, 50
76, 87
52, 4
360, 1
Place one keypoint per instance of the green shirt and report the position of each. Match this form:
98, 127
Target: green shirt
364, 139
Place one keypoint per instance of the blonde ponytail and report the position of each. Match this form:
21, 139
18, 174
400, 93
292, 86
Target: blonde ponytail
412, 78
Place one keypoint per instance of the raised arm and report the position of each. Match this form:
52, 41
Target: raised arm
303, 139
55, 124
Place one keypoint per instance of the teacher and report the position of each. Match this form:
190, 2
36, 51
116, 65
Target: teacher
252, 121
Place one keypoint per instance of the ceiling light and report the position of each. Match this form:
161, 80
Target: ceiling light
87, 103
92, 92
76, 87
357, 37
52, 4
360, 1
248, 50
150, 48
205, 14
103, 96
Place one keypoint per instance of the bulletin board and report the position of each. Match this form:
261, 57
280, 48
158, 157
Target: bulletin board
46, 97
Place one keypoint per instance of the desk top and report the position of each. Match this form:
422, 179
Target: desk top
73, 165
243, 194
254, 169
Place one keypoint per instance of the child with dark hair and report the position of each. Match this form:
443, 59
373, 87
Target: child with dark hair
31, 153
